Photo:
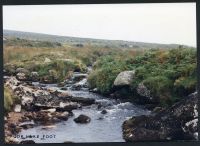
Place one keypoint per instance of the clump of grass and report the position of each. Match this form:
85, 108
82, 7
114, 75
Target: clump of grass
9, 99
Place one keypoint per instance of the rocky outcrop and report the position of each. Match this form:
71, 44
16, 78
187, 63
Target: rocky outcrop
124, 78
175, 123
82, 119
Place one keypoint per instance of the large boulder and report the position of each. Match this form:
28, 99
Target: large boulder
124, 78
178, 122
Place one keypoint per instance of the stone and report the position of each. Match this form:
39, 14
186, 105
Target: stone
82, 119
26, 101
67, 106
21, 76
124, 78
17, 108
27, 142
47, 127
83, 100
104, 111
78, 76
80, 84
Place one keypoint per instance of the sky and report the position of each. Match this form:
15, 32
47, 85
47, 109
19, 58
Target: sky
157, 23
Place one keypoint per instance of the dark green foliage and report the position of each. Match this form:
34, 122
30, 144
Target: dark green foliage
168, 74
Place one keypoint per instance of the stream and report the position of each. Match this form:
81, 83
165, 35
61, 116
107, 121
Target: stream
102, 128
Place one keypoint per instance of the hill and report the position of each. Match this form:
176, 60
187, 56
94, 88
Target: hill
82, 41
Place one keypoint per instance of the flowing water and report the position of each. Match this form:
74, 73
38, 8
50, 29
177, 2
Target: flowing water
102, 128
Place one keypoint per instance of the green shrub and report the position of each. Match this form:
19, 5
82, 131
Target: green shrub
160, 70
105, 72
160, 87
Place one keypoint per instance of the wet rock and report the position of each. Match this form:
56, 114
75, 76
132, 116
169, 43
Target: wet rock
61, 84
42, 117
79, 85
78, 76
100, 118
45, 108
95, 90
63, 95
64, 88
49, 118
104, 111
26, 125
62, 116
83, 101
51, 110
124, 78
178, 122
68, 106
82, 119
99, 106
27, 142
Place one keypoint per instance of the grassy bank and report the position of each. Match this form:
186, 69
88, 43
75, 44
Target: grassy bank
54, 62
168, 74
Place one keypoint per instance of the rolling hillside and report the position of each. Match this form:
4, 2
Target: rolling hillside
82, 41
